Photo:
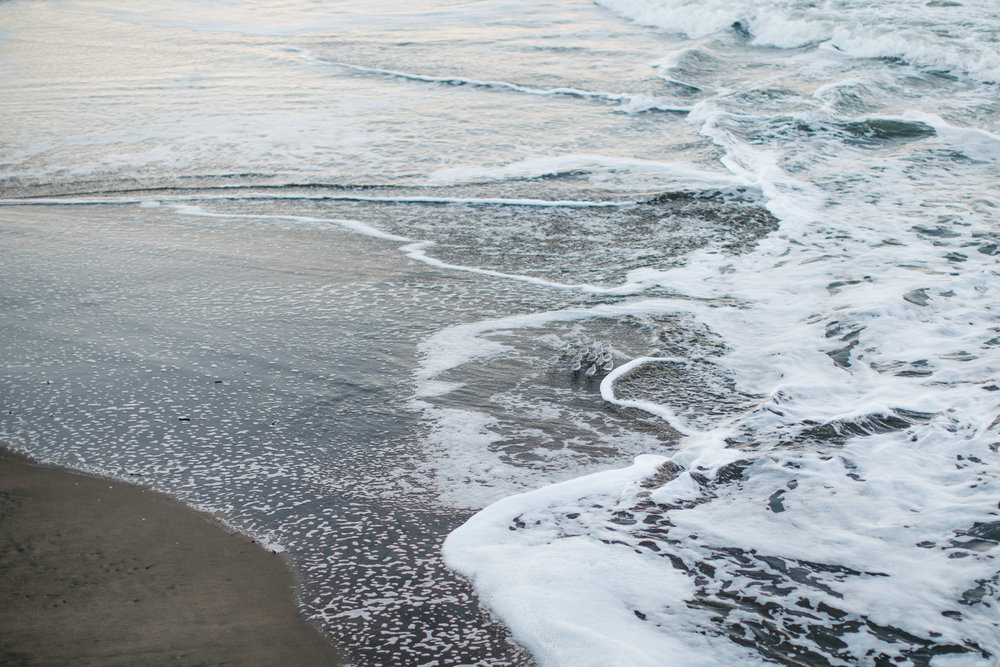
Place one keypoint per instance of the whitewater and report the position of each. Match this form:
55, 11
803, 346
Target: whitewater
628, 332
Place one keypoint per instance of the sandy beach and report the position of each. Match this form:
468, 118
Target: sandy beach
99, 572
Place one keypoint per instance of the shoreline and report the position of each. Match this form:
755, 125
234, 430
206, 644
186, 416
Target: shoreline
95, 570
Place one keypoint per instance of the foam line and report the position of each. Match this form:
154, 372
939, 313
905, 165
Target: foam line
474, 201
668, 415
676, 422
352, 225
630, 101
536, 167
414, 249
619, 98
462, 343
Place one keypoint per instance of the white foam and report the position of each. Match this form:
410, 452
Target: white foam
459, 344
875, 299
976, 143
251, 195
572, 600
628, 102
353, 225
661, 411
680, 175
638, 282
956, 38
458, 465
416, 250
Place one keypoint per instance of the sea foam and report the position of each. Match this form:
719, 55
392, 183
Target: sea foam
947, 36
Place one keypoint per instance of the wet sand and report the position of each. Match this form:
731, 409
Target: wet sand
93, 571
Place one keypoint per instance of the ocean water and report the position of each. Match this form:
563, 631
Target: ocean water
628, 332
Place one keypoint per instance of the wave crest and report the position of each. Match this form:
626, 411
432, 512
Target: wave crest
939, 36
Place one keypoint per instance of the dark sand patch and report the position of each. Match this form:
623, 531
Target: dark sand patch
93, 571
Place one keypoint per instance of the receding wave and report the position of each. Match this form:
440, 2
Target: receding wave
627, 102
682, 174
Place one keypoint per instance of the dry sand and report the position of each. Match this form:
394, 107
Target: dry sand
93, 571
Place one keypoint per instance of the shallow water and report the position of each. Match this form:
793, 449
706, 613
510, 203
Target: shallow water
323, 270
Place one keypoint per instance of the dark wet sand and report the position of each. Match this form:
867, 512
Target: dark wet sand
93, 571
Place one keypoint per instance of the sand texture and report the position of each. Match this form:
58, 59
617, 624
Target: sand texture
93, 571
